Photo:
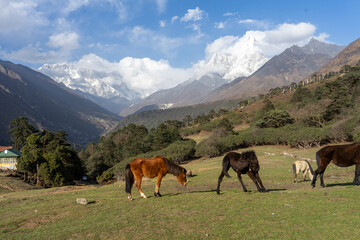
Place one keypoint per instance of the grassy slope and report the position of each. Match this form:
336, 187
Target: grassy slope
288, 211
10, 184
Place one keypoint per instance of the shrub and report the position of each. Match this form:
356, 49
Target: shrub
105, 177
179, 151
208, 148
275, 119
301, 94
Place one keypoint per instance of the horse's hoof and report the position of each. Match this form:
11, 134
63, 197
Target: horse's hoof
218, 192
157, 194
130, 198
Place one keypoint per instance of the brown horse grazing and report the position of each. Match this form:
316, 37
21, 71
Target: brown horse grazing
151, 167
241, 163
342, 156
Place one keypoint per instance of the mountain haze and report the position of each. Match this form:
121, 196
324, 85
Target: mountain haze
48, 104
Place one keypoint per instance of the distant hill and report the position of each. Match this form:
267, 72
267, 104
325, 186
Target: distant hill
152, 118
349, 56
292, 65
48, 104
188, 93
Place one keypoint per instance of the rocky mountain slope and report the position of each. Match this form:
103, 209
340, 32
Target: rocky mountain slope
292, 65
349, 56
48, 104
106, 89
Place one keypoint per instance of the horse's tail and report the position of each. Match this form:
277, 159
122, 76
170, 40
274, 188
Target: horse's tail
318, 158
226, 166
129, 178
294, 167
311, 173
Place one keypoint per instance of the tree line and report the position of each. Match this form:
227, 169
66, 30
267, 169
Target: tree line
47, 157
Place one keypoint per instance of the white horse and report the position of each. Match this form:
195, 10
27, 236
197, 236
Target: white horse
304, 167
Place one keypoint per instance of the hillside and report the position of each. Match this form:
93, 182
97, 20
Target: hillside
153, 117
349, 56
47, 104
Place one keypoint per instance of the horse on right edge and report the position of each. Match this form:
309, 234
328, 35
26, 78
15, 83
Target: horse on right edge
342, 156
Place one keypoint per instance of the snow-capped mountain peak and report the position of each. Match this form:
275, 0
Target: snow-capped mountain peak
100, 84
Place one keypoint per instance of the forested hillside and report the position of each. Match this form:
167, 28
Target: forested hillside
320, 110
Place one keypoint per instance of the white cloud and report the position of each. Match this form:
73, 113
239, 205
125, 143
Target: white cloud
33, 54
276, 40
66, 41
322, 37
220, 25
161, 4
219, 45
230, 14
147, 75
286, 32
193, 15
63, 42
20, 15
143, 36
255, 23
162, 24
73, 5
174, 18
141, 74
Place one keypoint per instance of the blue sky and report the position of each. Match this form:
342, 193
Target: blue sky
34, 32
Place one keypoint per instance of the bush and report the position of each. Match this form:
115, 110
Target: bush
208, 148
105, 177
275, 119
301, 94
178, 151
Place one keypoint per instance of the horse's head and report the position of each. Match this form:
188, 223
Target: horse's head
182, 177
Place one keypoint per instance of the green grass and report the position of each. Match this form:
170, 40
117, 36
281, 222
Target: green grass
287, 211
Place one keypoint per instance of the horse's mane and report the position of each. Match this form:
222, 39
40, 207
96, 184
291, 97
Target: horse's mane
173, 168
248, 155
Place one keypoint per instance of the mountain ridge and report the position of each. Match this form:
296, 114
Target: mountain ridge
292, 65
48, 104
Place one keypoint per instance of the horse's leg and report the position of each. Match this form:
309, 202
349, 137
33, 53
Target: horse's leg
357, 174
240, 179
304, 174
138, 185
320, 170
157, 188
251, 175
219, 181
257, 176
295, 175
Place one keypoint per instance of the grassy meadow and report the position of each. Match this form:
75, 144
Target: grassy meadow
288, 211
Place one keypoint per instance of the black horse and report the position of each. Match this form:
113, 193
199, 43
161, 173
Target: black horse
241, 163
341, 155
